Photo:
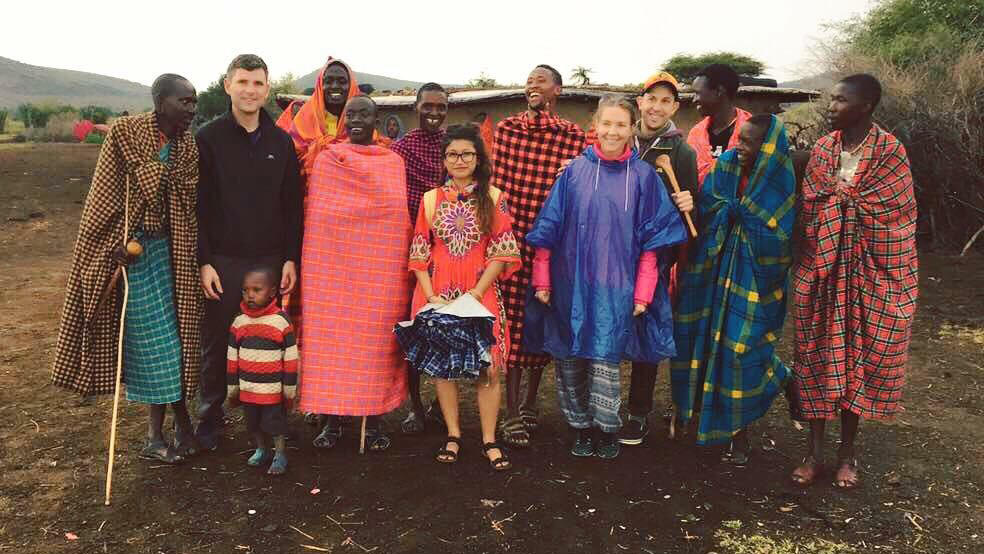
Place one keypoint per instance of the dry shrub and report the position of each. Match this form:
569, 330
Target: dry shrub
937, 109
58, 129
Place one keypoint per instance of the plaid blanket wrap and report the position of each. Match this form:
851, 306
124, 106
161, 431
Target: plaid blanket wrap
527, 152
855, 288
732, 294
355, 282
85, 355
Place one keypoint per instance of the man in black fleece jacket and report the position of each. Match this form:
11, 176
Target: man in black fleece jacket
249, 214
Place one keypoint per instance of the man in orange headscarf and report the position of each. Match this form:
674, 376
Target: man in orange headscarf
321, 120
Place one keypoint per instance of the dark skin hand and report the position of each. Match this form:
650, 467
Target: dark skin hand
335, 88
360, 120
176, 111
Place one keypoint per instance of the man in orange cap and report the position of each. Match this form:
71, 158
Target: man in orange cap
656, 135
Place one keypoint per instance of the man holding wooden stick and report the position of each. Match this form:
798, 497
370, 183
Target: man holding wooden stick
656, 136
143, 195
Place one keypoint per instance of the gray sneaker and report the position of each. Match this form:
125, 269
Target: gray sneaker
583, 443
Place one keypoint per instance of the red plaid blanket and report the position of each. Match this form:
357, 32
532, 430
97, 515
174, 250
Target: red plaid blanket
527, 153
854, 290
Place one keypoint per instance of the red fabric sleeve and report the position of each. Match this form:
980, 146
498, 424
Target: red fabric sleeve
541, 269
647, 276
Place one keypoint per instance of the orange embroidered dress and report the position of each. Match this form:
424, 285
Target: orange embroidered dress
448, 242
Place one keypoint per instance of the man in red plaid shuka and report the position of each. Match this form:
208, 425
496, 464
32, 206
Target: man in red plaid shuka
528, 151
422, 150
854, 290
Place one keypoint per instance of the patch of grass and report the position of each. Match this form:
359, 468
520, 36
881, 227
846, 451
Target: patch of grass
962, 333
731, 541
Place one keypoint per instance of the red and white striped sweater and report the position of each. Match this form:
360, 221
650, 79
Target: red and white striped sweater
262, 356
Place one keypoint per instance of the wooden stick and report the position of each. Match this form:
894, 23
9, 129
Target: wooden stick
362, 437
664, 163
116, 390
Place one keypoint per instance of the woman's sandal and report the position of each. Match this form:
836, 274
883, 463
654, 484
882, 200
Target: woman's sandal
514, 432
377, 440
161, 452
328, 437
530, 417
446, 455
501, 463
847, 474
807, 472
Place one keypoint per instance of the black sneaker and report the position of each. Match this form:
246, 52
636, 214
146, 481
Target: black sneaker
607, 447
633, 432
583, 446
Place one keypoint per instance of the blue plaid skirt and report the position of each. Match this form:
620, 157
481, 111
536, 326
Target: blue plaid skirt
151, 346
447, 346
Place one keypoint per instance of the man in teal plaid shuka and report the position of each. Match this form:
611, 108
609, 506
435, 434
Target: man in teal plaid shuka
732, 293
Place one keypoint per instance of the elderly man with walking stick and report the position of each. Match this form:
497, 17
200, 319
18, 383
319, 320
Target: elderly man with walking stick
132, 306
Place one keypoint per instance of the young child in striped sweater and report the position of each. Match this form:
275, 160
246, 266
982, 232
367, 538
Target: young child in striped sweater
262, 367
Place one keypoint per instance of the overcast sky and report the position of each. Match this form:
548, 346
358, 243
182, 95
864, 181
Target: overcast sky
448, 42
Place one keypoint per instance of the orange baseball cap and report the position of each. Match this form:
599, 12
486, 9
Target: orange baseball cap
661, 77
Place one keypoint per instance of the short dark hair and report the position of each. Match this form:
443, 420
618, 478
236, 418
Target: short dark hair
268, 271
429, 86
556, 74
366, 96
164, 86
721, 75
867, 86
249, 62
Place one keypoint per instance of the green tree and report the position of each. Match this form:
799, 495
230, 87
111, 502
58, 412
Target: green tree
212, 102
96, 114
907, 32
685, 66
581, 75
482, 81
3, 120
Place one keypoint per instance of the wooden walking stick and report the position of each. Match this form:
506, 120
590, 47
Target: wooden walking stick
121, 270
362, 437
664, 163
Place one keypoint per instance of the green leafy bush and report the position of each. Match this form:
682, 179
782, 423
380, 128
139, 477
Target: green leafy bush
94, 138
96, 114
3, 120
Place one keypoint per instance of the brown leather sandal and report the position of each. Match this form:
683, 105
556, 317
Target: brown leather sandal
807, 472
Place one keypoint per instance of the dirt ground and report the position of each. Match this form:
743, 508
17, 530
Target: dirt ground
922, 474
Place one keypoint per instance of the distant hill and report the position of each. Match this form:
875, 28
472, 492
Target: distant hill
20, 82
822, 82
378, 82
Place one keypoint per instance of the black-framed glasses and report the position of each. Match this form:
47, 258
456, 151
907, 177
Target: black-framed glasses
467, 157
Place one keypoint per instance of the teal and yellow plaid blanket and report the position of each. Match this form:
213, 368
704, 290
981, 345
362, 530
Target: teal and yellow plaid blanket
732, 294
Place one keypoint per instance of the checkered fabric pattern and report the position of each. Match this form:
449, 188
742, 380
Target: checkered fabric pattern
85, 355
447, 346
854, 292
526, 155
355, 282
732, 294
421, 153
151, 347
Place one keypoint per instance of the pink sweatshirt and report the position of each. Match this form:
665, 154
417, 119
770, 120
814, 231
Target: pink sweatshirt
647, 270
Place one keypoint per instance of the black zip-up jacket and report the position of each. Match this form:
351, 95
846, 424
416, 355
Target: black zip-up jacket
250, 201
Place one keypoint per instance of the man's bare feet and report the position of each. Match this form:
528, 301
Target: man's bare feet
807, 472
847, 473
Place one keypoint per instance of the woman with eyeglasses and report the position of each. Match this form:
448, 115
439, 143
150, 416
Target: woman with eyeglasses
463, 243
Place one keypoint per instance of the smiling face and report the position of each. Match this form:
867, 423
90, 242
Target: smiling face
432, 110
335, 85
750, 139
178, 108
541, 90
614, 127
707, 98
258, 289
846, 107
657, 105
360, 120
247, 90
461, 159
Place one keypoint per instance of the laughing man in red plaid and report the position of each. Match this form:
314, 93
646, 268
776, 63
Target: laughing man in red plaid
529, 150
854, 290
